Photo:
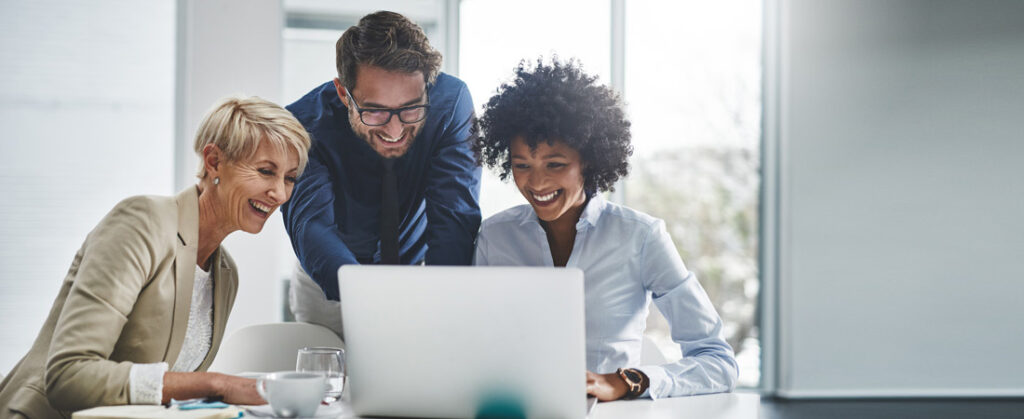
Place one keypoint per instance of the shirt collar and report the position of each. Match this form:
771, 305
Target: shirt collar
592, 212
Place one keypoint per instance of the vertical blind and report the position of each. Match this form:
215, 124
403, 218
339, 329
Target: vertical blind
86, 106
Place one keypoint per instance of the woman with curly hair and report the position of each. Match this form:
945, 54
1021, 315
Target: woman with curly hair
564, 138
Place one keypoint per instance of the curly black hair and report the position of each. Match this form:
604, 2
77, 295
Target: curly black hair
557, 102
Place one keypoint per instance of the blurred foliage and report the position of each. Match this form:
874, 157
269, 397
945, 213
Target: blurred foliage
708, 197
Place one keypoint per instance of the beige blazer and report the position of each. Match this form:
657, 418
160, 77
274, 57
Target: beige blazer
125, 299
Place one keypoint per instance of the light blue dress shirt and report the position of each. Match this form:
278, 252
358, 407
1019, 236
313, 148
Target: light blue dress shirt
628, 259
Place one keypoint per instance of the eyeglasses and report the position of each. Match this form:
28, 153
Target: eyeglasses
378, 117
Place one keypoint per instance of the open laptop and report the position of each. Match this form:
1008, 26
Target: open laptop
429, 341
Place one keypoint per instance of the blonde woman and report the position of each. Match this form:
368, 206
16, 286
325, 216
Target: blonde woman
142, 310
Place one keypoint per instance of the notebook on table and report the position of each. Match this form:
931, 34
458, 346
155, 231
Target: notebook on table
427, 341
142, 411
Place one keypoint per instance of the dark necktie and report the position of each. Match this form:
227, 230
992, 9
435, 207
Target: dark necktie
389, 215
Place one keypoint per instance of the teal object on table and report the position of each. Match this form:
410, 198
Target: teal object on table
203, 405
501, 405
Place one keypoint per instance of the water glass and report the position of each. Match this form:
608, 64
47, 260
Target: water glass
329, 362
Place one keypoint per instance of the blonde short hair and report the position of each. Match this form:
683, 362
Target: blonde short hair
236, 125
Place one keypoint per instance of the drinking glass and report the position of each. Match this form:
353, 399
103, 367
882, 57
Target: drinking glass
329, 362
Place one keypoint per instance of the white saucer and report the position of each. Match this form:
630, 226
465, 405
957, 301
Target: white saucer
331, 411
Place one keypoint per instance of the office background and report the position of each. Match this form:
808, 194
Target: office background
871, 154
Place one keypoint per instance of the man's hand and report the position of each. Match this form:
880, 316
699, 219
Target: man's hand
606, 387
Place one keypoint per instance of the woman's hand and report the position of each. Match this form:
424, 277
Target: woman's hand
238, 390
606, 387
192, 385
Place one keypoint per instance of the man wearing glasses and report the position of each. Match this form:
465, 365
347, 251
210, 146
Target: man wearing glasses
392, 177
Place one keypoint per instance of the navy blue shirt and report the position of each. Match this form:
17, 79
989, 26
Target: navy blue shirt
333, 215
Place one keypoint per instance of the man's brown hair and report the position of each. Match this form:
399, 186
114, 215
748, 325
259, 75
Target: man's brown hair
387, 40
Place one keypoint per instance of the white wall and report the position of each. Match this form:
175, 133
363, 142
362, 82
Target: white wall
234, 47
901, 253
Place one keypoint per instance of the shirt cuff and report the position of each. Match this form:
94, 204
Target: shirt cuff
658, 378
146, 383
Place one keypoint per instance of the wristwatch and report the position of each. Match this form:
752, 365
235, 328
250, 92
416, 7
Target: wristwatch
636, 380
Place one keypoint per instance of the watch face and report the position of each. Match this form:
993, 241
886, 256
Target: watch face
634, 380
632, 375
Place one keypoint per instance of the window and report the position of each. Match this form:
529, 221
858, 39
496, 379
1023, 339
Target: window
312, 27
692, 82
495, 36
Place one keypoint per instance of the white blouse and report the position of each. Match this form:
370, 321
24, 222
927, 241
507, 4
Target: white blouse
146, 381
628, 260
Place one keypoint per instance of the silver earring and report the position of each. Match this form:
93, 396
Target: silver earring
216, 181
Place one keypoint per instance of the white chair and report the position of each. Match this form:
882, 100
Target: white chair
270, 347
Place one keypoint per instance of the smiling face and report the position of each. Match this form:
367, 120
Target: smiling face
378, 89
550, 177
251, 189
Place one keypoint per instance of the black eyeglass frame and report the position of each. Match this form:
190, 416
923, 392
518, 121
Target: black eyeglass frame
391, 112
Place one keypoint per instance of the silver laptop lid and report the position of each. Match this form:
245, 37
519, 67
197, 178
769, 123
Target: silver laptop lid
464, 341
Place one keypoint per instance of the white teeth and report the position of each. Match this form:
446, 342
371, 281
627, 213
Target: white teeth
389, 140
259, 206
545, 198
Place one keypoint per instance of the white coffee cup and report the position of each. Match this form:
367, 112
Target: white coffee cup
292, 394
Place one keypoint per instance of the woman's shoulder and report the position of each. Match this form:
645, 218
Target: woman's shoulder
621, 214
513, 215
150, 208
149, 215
146, 202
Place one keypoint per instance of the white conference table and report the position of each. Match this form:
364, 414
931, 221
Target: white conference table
710, 406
